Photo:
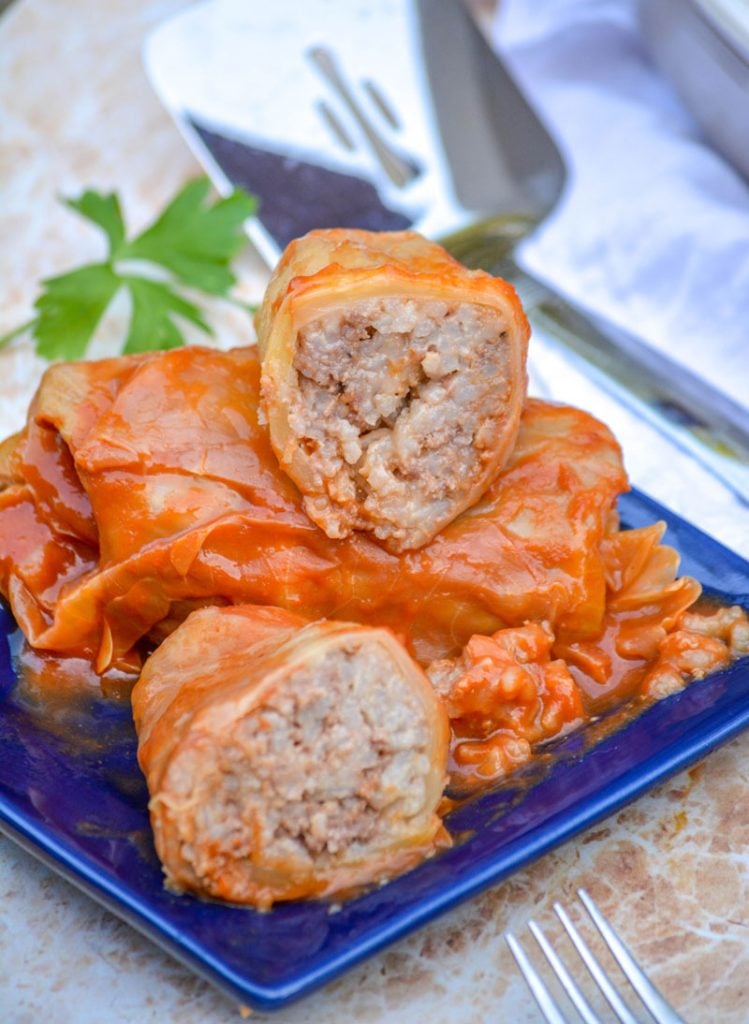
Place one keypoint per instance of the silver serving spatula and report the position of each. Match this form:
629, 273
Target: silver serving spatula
504, 159
399, 114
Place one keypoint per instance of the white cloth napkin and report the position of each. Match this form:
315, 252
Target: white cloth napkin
652, 231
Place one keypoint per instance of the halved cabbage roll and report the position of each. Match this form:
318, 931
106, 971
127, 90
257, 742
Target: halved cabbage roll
393, 381
288, 760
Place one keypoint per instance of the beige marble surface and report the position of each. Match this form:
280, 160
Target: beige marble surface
671, 871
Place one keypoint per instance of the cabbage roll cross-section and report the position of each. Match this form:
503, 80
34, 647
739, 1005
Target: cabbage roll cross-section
393, 381
287, 759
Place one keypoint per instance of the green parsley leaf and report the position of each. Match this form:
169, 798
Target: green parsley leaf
70, 308
193, 241
104, 211
151, 324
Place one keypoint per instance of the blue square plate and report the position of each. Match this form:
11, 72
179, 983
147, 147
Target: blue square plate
71, 793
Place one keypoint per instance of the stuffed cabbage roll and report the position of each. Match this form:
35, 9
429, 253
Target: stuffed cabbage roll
159, 488
285, 759
393, 381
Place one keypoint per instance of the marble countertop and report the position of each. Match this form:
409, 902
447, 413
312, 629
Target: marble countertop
671, 871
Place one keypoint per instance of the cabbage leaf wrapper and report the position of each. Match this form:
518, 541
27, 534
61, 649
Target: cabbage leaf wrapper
144, 487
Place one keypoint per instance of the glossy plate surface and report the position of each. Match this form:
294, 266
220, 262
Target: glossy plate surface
72, 794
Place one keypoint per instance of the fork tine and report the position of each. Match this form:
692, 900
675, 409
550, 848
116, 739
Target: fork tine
613, 998
551, 1012
648, 993
582, 1005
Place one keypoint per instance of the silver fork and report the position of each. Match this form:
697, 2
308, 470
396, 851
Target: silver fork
660, 1010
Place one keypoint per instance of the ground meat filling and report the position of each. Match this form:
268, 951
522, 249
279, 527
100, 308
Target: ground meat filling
400, 403
332, 767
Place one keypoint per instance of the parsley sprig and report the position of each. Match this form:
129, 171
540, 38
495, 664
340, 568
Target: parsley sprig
192, 243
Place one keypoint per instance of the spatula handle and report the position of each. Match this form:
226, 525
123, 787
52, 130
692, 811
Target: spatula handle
686, 409
694, 415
